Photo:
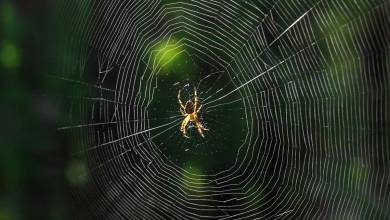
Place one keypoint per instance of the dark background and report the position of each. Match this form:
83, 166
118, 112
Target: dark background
40, 165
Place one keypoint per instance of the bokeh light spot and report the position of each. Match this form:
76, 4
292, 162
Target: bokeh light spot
166, 54
7, 213
191, 178
9, 56
76, 173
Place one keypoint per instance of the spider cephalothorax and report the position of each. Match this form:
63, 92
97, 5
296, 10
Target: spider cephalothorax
190, 112
189, 107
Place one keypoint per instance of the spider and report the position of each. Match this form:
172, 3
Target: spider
190, 112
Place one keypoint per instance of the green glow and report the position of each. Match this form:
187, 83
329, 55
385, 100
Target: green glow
166, 54
192, 168
191, 179
9, 56
253, 194
358, 175
7, 210
76, 173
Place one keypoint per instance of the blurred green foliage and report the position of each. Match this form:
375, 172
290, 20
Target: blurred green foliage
32, 182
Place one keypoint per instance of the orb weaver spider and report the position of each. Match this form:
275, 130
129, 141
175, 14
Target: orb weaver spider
190, 112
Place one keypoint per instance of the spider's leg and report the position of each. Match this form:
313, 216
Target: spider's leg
183, 127
206, 129
182, 111
196, 99
199, 127
200, 107
179, 100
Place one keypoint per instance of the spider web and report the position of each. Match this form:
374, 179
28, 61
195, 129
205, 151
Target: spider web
294, 94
